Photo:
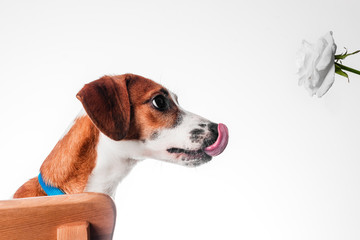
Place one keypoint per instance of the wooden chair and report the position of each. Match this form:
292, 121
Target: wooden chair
70, 217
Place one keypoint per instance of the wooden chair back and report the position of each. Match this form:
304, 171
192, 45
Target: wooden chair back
64, 217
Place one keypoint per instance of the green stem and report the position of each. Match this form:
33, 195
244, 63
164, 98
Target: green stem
348, 69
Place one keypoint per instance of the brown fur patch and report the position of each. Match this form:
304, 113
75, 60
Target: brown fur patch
31, 188
145, 120
70, 163
120, 106
106, 101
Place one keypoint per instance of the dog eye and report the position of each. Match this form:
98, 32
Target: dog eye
160, 103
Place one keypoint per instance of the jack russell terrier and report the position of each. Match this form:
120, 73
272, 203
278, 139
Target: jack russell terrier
127, 118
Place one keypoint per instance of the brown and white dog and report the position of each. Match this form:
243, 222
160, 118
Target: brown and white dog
127, 118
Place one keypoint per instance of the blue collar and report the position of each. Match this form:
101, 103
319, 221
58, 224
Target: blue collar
48, 189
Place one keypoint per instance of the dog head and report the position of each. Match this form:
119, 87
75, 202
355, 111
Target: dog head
132, 109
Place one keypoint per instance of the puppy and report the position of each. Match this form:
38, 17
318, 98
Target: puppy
126, 118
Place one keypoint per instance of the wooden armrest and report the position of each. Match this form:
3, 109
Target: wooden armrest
77, 216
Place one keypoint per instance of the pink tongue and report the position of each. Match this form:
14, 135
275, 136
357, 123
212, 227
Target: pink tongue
221, 142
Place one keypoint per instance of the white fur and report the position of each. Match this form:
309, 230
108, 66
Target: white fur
114, 161
178, 137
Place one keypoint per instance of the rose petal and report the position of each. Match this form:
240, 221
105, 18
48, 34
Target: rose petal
327, 83
327, 56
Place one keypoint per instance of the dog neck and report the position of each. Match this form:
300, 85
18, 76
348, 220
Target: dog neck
84, 159
114, 161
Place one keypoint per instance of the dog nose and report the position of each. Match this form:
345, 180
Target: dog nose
213, 128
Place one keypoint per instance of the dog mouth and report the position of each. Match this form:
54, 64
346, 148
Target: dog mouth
190, 153
191, 157
211, 148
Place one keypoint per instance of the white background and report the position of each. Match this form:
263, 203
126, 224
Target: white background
291, 169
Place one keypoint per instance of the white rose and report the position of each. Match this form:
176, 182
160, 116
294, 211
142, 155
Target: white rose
316, 65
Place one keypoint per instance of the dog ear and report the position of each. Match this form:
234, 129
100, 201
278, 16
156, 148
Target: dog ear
106, 101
